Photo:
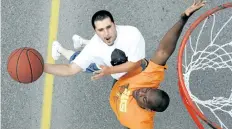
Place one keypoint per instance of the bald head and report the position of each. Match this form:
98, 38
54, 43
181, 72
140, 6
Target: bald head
158, 100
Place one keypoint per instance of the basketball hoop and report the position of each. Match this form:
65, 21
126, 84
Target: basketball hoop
213, 56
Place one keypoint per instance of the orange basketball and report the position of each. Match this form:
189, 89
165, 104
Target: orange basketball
25, 65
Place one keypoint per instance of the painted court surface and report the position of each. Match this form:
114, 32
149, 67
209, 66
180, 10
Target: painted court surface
78, 103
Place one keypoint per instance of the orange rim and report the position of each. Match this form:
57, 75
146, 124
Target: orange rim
189, 104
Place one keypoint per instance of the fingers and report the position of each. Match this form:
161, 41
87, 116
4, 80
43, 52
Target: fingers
200, 3
194, 3
96, 77
97, 72
203, 2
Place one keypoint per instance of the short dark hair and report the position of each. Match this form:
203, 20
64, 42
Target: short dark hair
159, 101
101, 15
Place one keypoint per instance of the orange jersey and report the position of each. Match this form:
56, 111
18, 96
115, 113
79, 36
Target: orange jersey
123, 103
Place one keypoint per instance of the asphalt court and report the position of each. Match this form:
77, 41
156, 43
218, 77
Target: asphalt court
77, 102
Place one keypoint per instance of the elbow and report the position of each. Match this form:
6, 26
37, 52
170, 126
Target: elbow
163, 53
71, 73
73, 69
168, 50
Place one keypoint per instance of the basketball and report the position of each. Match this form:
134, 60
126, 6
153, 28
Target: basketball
25, 65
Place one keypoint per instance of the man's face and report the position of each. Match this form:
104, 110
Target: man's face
106, 30
142, 96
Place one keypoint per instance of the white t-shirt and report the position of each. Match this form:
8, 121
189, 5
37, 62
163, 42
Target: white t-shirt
129, 40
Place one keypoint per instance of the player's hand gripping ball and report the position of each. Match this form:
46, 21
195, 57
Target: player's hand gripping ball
25, 65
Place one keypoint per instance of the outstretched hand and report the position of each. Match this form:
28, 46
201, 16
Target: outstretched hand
197, 4
105, 70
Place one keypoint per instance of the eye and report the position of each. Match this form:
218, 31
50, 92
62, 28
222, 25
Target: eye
100, 30
108, 27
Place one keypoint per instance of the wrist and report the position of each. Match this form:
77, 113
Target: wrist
110, 70
183, 16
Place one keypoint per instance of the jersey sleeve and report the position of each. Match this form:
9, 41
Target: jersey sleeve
152, 76
137, 47
85, 58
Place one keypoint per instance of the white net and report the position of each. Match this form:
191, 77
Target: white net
216, 56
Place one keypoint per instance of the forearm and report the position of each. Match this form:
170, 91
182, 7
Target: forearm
59, 69
169, 41
125, 67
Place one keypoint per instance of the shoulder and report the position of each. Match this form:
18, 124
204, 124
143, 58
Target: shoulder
95, 46
130, 33
95, 39
92, 44
127, 28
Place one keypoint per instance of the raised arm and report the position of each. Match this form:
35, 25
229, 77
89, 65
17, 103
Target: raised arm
168, 43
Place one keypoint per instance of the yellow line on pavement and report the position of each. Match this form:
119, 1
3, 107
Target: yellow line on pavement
48, 87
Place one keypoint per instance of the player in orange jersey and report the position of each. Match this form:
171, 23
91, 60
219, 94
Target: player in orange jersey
135, 97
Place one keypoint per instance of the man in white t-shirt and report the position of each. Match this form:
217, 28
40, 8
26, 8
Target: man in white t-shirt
116, 49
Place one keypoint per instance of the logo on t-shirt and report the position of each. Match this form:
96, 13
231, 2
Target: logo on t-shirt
123, 95
118, 57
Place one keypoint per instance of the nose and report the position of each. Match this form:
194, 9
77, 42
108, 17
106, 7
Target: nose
106, 33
